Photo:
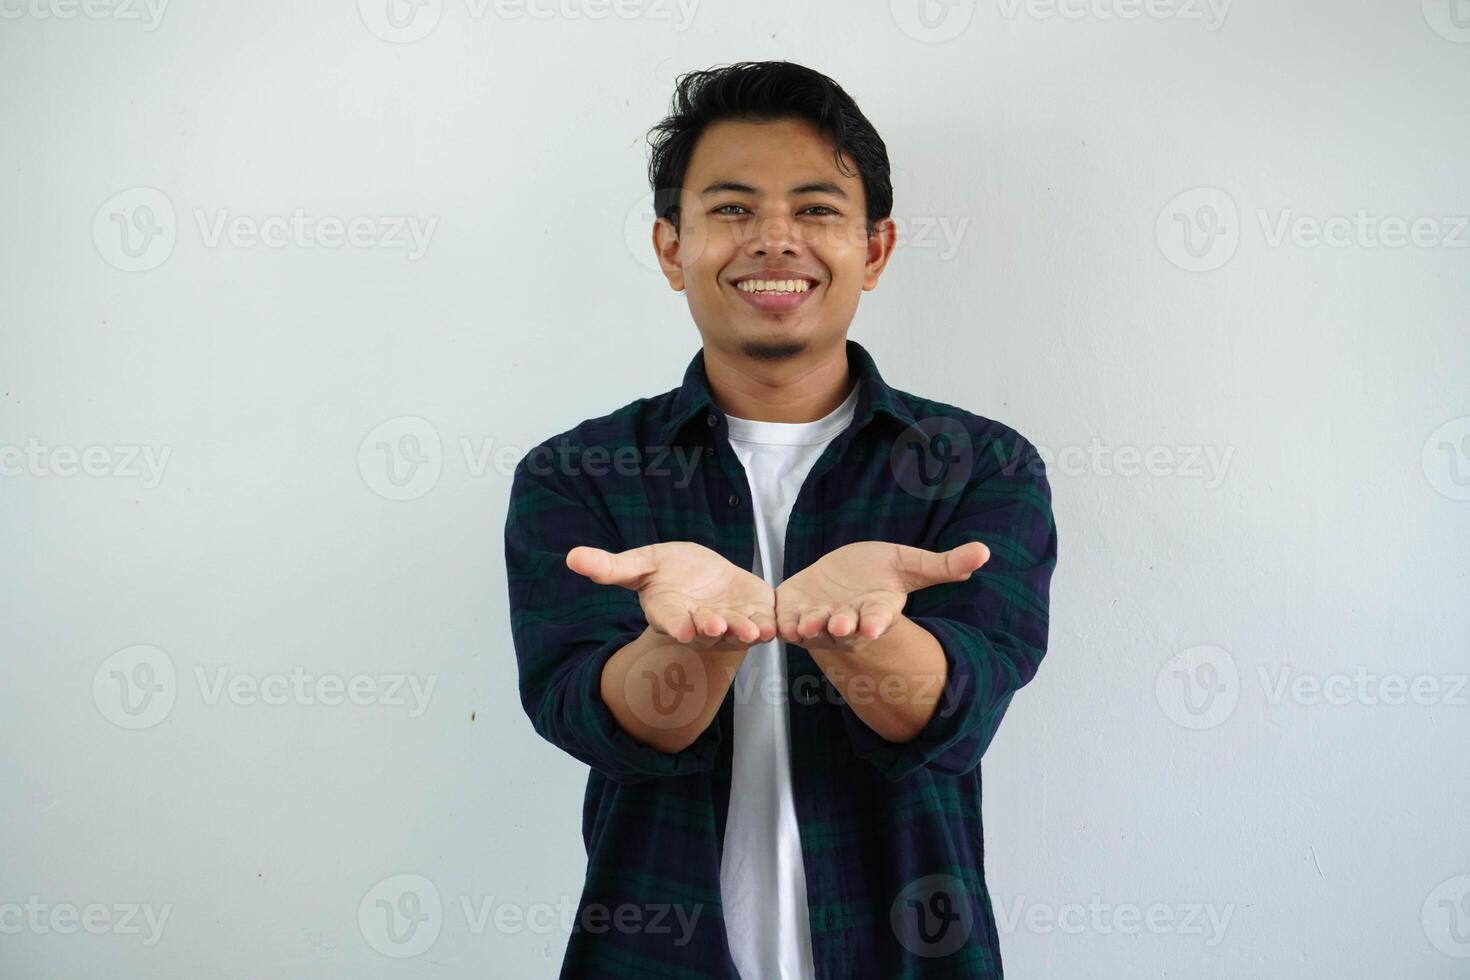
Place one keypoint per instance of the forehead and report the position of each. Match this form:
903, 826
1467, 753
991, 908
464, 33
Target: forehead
771, 156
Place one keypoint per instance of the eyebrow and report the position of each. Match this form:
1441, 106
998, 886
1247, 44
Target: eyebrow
811, 187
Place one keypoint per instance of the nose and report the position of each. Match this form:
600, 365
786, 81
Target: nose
773, 234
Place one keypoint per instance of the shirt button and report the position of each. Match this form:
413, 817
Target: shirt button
711, 421
734, 500
709, 451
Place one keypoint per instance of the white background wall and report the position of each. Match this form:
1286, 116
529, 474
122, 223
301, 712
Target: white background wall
1163, 767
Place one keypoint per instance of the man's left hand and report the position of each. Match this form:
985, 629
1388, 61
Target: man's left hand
851, 596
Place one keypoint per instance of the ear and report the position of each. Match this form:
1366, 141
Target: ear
667, 247
880, 249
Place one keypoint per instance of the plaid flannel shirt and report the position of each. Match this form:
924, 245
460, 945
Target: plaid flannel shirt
891, 833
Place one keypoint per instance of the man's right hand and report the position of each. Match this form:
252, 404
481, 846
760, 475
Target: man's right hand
688, 592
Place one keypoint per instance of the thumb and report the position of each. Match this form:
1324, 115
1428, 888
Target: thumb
625, 568
923, 568
960, 561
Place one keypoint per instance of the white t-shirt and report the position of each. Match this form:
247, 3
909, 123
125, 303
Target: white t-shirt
762, 879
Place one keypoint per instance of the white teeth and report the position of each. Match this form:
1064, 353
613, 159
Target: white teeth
773, 286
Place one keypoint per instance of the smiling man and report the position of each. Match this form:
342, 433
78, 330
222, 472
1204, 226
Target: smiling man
783, 663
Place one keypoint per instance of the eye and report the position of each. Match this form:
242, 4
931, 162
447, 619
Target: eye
826, 211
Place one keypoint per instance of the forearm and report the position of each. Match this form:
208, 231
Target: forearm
892, 683
639, 687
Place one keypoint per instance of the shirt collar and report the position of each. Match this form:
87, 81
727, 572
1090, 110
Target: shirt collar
693, 398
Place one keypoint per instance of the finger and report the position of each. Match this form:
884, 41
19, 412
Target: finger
813, 621
767, 625
876, 618
843, 621
710, 623
741, 628
673, 619
787, 619
626, 568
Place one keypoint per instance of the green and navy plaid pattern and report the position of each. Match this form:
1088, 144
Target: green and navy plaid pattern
891, 833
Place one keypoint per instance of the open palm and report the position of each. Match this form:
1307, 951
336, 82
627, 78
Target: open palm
853, 594
687, 591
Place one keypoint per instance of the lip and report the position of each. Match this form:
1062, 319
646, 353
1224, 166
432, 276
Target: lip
776, 302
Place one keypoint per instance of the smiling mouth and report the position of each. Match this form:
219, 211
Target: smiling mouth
775, 286
767, 296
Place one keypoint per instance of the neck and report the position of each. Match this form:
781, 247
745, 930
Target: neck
801, 388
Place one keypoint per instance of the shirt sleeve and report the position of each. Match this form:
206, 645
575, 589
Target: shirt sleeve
992, 626
565, 628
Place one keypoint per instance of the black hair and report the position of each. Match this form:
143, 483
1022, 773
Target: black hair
760, 91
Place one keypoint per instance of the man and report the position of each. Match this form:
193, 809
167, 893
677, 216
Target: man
780, 609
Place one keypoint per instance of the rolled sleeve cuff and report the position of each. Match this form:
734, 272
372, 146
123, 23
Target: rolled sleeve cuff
606, 746
957, 733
